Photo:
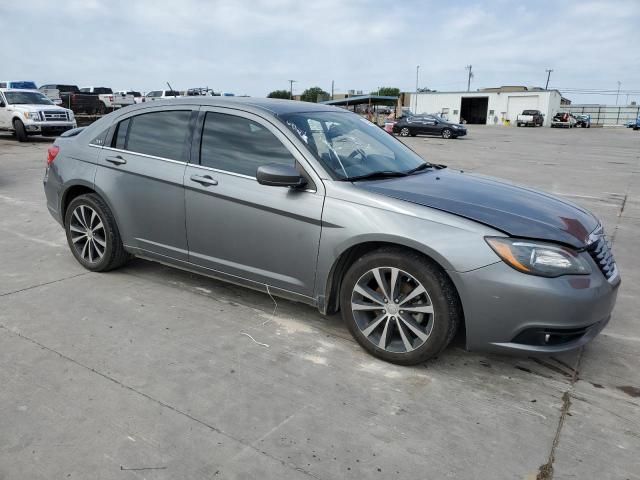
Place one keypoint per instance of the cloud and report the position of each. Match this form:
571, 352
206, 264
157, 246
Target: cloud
253, 47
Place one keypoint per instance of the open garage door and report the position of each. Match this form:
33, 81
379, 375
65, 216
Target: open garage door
516, 105
474, 110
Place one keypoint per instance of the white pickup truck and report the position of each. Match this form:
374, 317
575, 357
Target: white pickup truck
108, 99
535, 118
30, 112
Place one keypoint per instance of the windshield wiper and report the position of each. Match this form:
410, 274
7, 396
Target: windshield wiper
375, 175
424, 166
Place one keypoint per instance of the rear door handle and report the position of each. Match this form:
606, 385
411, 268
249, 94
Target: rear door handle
205, 180
117, 160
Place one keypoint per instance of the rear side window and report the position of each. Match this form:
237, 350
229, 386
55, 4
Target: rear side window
239, 145
161, 134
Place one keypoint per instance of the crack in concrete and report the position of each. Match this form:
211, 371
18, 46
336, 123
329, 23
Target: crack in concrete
43, 284
176, 410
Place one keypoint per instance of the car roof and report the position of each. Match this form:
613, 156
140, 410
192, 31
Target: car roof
19, 90
270, 105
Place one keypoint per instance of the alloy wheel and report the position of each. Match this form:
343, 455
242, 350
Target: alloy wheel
446, 133
88, 234
404, 132
392, 309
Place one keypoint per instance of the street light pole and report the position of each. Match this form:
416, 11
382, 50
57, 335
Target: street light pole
546, 87
618, 93
417, 76
291, 82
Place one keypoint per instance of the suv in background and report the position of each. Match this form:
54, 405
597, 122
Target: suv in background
161, 95
428, 124
108, 99
30, 112
583, 121
535, 118
21, 84
73, 99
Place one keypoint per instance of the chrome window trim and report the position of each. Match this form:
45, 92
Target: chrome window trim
234, 174
131, 152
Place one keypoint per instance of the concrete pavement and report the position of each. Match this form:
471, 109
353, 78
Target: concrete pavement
151, 372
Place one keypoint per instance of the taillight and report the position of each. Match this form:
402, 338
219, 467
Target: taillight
111, 99
52, 153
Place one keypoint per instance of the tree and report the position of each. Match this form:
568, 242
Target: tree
387, 92
312, 94
279, 94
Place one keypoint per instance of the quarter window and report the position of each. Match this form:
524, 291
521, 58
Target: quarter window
239, 145
161, 134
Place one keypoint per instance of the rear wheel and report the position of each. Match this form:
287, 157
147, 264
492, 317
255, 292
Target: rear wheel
92, 234
446, 133
399, 306
21, 133
405, 132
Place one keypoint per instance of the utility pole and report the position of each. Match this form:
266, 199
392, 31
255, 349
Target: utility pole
291, 82
332, 84
469, 67
546, 87
417, 76
618, 93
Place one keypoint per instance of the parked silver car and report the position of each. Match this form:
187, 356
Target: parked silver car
316, 204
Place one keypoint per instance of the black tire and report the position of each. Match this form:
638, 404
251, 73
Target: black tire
444, 299
518, 124
114, 253
21, 133
446, 133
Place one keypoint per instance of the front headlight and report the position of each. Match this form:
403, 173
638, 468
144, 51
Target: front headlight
35, 116
455, 126
537, 258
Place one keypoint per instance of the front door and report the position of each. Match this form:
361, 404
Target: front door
141, 173
268, 235
5, 115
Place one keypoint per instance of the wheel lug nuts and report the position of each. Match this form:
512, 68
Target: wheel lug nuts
396, 300
386, 300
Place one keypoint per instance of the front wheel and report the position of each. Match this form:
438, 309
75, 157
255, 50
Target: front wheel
446, 133
92, 234
21, 133
405, 132
399, 306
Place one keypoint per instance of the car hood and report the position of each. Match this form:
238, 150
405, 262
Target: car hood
515, 210
36, 108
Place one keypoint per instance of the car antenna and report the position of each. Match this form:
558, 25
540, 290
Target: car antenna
171, 89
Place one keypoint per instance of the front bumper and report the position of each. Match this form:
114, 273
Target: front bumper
48, 128
508, 311
459, 132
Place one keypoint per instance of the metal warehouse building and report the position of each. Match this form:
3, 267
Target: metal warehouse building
491, 106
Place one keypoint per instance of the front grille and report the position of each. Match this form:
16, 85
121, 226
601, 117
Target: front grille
600, 251
54, 116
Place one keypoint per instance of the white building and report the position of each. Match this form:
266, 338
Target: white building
491, 106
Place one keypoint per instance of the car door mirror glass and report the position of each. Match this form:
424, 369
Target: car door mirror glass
279, 175
2, 104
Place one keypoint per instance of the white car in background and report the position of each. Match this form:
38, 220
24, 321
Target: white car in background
108, 99
29, 112
161, 95
137, 96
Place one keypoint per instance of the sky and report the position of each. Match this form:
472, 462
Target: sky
254, 47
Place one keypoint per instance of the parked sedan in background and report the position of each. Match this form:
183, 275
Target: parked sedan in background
428, 125
312, 203
583, 121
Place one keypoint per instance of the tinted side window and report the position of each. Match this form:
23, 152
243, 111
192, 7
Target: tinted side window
239, 145
161, 134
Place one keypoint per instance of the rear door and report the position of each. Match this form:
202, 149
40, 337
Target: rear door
430, 125
267, 235
141, 174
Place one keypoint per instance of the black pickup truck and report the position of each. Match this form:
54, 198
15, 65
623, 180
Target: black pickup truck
74, 99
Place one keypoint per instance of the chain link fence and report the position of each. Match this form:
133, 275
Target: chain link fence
604, 114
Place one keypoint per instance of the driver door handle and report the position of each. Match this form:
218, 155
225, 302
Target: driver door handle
205, 180
117, 160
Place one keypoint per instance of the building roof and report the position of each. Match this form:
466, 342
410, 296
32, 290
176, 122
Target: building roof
361, 99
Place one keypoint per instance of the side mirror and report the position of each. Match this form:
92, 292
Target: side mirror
279, 175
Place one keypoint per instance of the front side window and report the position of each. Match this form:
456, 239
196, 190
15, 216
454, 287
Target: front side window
239, 145
350, 146
161, 134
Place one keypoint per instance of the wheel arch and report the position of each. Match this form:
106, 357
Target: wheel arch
71, 192
348, 256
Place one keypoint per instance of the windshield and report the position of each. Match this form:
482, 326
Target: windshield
349, 146
27, 98
530, 112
